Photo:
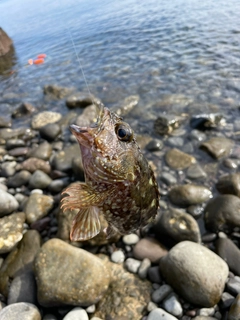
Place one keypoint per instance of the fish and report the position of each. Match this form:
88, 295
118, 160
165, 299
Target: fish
119, 182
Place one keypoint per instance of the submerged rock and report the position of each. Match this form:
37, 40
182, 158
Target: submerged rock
178, 160
5, 43
79, 100
38, 206
166, 123
25, 109
218, 147
229, 184
207, 121
56, 92
127, 105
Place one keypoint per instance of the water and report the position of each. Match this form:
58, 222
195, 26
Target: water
187, 50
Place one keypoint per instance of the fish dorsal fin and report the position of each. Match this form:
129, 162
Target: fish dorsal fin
86, 224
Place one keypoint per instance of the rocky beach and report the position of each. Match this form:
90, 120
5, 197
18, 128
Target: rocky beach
183, 266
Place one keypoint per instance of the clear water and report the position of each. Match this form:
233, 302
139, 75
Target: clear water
189, 49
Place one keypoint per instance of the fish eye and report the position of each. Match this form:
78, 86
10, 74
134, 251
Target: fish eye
124, 132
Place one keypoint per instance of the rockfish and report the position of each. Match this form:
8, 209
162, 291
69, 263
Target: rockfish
118, 180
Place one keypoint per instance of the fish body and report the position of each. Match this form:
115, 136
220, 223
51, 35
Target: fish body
118, 180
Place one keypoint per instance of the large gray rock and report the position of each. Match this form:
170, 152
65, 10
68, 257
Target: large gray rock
8, 203
21, 310
195, 272
68, 275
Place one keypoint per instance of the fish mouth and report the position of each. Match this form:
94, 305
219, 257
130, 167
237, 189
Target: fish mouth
77, 130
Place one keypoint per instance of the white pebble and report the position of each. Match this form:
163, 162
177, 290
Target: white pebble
206, 312
160, 314
132, 265
118, 256
38, 191
76, 314
143, 269
151, 306
173, 306
130, 239
91, 309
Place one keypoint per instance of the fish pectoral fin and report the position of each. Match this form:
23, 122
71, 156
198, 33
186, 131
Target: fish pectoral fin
79, 196
110, 231
86, 224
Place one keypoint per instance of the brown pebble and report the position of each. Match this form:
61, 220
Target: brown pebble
149, 248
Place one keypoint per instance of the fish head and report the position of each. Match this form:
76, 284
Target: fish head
109, 149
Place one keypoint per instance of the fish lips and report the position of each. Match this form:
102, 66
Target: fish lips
84, 135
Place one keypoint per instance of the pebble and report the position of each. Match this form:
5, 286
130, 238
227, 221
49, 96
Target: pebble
166, 123
178, 160
132, 265
143, 269
149, 248
56, 92
8, 203
8, 168
161, 293
38, 206
91, 309
43, 118
62, 160
231, 163
50, 131
160, 314
23, 109
154, 145
233, 286
226, 300
79, 100
175, 142
76, 314
229, 184
196, 273
195, 171
39, 180
234, 312
197, 135
218, 147
118, 256
168, 178
130, 239
206, 312
43, 151
32, 164
154, 274
21, 310
19, 179
172, 305
151, 306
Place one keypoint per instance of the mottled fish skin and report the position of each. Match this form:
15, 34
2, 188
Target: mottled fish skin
118, 180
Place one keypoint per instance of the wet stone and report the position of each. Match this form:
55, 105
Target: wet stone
19, 179
160, 314
195, 171
178, 160
33, 164
197, 135
234, 312
195, 273
217, 147
189, 194
177, 142
11, 231
8, 168
76, 314
209, 237
221, 213
168, 178
230, 253
143, 269
118, 256
207, 121
7, 133
130, 239
43, 118
154, 274
79, 100
14, 143
229, 184
5, 122
166, 123
195, 210
50, 131
8, 203
21, 310
62, 160
58, 185
24, 109
132, 265
149, 248
18, 152
154, 145
39, 180
38, 206
231, 163
127, 105
161, 293
88, 116
172, 305
206, 312
56, 92
43, 151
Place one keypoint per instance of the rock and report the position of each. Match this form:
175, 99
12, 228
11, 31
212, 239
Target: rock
233, 286
65, 275
234, 312
196, 273
7, 133
230, 253
160, 314
76, 314
168, 178
58, 185
179, 225
8, 203
79, 100
11, 231
195, 171
217, 147
132, 265
226, 300
38, 206
14, 143
21, 310
161, 293
118, 256
62, 160
126, 297
50, 131
25, 109
39, 180
77, 168
166, 123
207, 121
221, 213
177, 142
149, 248
231, 163
18, 152
34, 164
19, 259
5, 43
151, 306
8, 168
19, 179
43, 118
23, 289
43, 151
154, 145
88, 116
5, 122
229, 184
143, 269
130, 239
128, 105
154, 274
178, 160
206, 312
197, 135
172, 305
189, 194
56, 92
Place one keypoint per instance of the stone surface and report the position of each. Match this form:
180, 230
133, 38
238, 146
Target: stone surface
21, 310
62, 160
56, 92
43, 118
161, 293
21, 178
127, 105
65, 275
118, 256
130, 239
19, 259
132, 265
229, 184
38, 206
43, 151
79, 100
226, 300
217, 147
39, 180
230, 253
178, 160
166, 123
234, 312
196, 273
76, 314
222, 213
8, 168
24, 109
172, 305
189, 194
8, 203
5, 43
160, 314
143, 269
50, 131
149, 248
33, 164
195, 171
11, 231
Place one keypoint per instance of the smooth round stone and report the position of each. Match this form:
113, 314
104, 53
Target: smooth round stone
58, 185
168, 178
173, 306
43, 151
143, 269
91, 309
96, 318
206, 312
166, 123
151, 306
197, 135
19, 179
8, 203
11, 231
222, 213
204, 318
209, 237
21, 310
38, 206
229, 184
43, 118
233, 286
195, 210
195, 171
7, 133
230, 253
118, 256
18, 152
231, 163
39, 180
160, 314
62, 160
154, 145
175, 142
50, 131
23, 289
8, 168
130, 239
65, 275
127, 105
179, 225
178, 160
56, 92
23, 109
196, 273
161, 293
76, 314
217, 147
33, 164
234, 312
189, 194
149, 248
79, 100
226, 300
207, 121
132, 265
14, 143
154, 274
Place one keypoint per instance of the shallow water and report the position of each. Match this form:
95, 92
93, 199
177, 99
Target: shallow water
153, 48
